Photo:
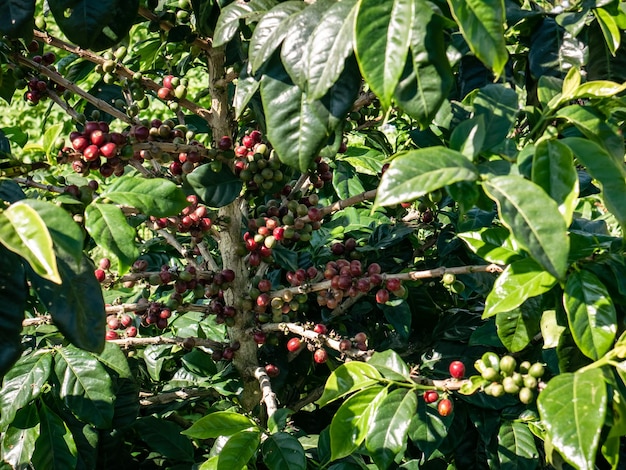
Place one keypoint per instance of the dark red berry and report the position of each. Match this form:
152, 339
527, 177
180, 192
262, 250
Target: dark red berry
294, 344
431, 396
320, 356
457, 369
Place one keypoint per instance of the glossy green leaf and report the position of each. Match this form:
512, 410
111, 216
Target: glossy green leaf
165, 438
469, 137
383, 32
238, 450
50, 136
428, 428
493, 244
113, 358
482, 25
230, 16
516, 447
85, 387
220, 423
609, 28
590, 313
519, 281
607, 171
573, 410
389, 426
281, 451
158, 197
498, 106
22, 384
553, 169
95, 26
18, 441
346, 181
247, 85
271, 30
13, 295
23, 231
55, 448
108, 227
414, 173
65, 232
297, 127
17, 18
348, 378
391, 365
215, 189
328, 48
426, 78
76, 306
598, 89
351, 421
534, 220
517, 327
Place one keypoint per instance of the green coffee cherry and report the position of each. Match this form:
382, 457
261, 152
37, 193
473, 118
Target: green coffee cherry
507, 365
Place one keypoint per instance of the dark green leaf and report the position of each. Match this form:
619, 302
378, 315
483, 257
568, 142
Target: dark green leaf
346, 181
534, 220
498, 105
77, 306
17, 18
10, 191
113, 358
215, 189
18, 442
348, 378
108, 227
398, 313
389, 426
158, 197
517, 328
220, 423
282, 451
590, 313
92, 25
13, 295
383, 31
417, 172
165, 438
516, 447
482, 24
85, 386
428, 428
55, 448
247, 86
573, 410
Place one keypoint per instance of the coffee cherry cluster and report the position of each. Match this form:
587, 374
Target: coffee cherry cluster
276, 309
37, 86
359, 342
101, 271
96, 148
172, 89
121, 326
227, 353
193, 219
505, 376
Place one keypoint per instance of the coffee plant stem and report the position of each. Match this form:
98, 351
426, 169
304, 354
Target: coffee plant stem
182, 394
166, 26
171, 240
267, 394
133, 342
33, 184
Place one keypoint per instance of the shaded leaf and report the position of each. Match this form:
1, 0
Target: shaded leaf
498, 106
281, 451
516, 328
13, 295
428, 428
230, 16
238, 450
18, 441
215, 189
165, 438
17, 18
516, 447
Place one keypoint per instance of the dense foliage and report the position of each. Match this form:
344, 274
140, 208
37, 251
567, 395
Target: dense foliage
331, 234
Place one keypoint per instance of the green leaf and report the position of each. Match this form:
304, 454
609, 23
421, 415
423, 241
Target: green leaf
609, 28
113, 358
215, 189
482, 25
158, 197
282, 451
398, 314
516, 328
383, 32
590, 313
22, 384
55, 448
230, 15
516, 447
329, 46
350, 423
498, 106
66, 234
23, 231
17, 18
389, 426
348, 378
165, 438
573, 410
534, 219
428, 428
95, 26
469, 137
518, 282
238, 450
346, 181
492, 244
107, 225
49, 138
607, 171
427, 77
18, 442
85, 386
553, 169
13, 295
76, 306
270, 32
391, 365
414, 173
10, 191
247, 86
220, 423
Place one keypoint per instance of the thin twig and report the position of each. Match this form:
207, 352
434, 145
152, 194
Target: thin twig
190, 341
182, 394
267, 394
34, 184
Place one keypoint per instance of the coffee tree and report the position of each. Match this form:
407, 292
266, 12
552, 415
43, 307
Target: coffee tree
328, 234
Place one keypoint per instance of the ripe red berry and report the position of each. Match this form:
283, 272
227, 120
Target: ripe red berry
108, 150
104, 263
294, 344
113, 322
91, 153
431, 396
80, 143
265, 285
320, 329
374, 268
457, 369
445, 407
394, 284
382, 296
320, 356
100, 275
126, 320
248, 141
272, 371
98, 138
167, 81
164, 93
228, 354
111, 334
131, 331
